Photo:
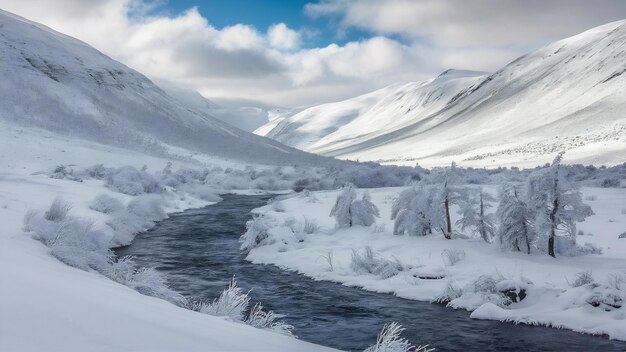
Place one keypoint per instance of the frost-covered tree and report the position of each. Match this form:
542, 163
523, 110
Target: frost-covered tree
473, 211
411, 211
446, 194
516, 230
557, 206
342, 211
363, 211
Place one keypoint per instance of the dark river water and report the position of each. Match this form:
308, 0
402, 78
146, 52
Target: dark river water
199, 251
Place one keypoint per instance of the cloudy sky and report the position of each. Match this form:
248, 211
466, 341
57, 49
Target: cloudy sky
293, 53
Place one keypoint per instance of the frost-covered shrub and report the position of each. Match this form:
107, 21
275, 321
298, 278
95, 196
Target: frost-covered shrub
363, 211
389, 340
150, 282
310, 226
370, 263
231, 303
257, 230
262, 319
106, 204
453, 256
450, 292
29, 217
146, 281
58, 210
61, 172
605, 297
341, 210
583, 278
131, 181
612, 182
617, 281
96, 171
481, 290
147, 207
77, 243
411, 211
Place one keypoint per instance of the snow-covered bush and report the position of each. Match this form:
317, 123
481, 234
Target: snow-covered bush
231, 303
129, 180
58, 210
342, 208
453, 256
450, 292
583, 278
150, 282
483, 289
389, 340
61, 172
411, 211
77, 243
617, 281
310, 226
147, 207
370, 263
261, 319
604, 297
106, 204
146, 281
257, 231
266, 230
363, 211
96, 171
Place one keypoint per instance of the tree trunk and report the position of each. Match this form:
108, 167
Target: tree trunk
555, 208
448, 233
483, 233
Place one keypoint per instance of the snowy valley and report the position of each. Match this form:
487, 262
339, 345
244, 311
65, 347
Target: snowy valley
366, 193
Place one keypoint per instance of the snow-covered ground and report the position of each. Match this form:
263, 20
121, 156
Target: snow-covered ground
46, 305
321, 251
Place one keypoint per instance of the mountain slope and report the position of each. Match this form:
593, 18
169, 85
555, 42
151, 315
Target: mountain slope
60, 84
568, 95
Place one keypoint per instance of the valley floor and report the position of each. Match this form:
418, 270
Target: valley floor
46, 305
418, 267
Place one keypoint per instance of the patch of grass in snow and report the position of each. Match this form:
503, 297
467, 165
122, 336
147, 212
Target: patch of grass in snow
389, 340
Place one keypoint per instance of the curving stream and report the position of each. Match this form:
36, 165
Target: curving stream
199, 251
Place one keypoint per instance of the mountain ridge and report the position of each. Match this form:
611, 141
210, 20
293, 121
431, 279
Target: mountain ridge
566, 95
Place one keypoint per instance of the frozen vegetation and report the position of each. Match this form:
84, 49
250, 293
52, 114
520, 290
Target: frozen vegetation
534, 246
514, 245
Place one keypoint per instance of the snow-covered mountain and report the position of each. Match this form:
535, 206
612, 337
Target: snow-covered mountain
568, 95
57, 83
247, 117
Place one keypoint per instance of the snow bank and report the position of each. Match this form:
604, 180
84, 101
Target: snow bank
465, 273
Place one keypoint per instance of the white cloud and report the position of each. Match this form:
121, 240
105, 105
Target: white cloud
240, 62
476, 22
282, 37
